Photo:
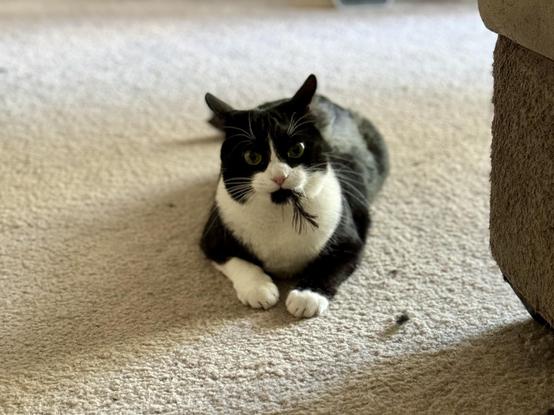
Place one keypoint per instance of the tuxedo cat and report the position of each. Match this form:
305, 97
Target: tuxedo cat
292, 201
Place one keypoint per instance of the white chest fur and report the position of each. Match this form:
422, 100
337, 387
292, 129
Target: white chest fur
267, 229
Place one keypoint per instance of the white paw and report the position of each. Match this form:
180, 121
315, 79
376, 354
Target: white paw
306, 303
257, 291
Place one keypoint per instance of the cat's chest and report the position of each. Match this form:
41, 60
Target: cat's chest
268, 229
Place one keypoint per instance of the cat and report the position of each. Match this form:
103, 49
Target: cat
297, 178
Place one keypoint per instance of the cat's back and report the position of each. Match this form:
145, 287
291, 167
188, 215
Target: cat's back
355, 139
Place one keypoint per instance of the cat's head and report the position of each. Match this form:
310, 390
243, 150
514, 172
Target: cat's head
274, 151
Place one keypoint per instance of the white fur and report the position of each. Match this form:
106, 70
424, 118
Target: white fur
263, 183
252, 285
266, 228
306, 303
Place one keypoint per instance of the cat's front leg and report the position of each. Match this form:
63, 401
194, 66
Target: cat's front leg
319, 281
252, 285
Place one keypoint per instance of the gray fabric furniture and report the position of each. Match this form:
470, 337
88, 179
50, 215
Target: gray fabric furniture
522, 154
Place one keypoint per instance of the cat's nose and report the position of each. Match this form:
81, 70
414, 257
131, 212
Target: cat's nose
279, 179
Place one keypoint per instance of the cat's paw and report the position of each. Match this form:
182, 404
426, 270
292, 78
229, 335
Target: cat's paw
257, 292
306, 303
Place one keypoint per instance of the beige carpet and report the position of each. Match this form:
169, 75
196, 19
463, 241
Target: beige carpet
106, 174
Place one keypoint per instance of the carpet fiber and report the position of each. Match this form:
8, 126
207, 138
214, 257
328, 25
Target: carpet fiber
107, 171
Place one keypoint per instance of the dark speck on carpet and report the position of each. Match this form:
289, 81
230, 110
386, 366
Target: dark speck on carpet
402, 318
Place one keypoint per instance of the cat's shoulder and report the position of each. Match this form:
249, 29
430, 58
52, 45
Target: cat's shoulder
219, 243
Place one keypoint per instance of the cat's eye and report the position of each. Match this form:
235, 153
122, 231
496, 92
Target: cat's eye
296, 150
252, 158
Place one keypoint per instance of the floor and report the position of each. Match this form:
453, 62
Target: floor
107, 171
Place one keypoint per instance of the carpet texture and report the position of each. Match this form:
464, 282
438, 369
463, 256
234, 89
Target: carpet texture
107, 171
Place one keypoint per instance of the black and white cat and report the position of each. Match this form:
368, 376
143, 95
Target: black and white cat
297, 178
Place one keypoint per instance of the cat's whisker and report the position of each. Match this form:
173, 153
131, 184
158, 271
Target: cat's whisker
248, 140
250, 125
236, 192
239, 177
347, 177
314, 167
297, 126
337, 156
238, 183
352, 173
356, 198
236, 187
349, 180
235, 184
242, 196
345, 169
293, 126
291, 123
241, 130
351, 191
212, 219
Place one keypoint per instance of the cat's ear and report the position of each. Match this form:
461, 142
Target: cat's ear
220, 109
305, 94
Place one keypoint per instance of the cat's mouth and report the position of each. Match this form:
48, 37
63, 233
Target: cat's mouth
282, 196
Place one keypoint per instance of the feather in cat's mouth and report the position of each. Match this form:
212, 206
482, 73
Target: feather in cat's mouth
300, 217
282, 196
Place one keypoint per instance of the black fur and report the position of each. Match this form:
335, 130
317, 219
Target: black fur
219, 244
249, 130
360, 170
